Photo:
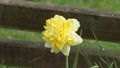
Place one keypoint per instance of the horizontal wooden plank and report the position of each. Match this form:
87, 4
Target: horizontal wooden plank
31, 16
33, 54
40, 45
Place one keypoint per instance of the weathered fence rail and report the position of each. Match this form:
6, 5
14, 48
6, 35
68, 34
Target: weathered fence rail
31, 16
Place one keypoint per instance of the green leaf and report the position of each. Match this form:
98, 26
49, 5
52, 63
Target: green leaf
76, 56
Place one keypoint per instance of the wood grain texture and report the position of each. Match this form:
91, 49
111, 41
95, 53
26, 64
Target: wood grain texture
31, 16
33, 54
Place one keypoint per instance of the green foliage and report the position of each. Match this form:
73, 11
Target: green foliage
112, 5
5, 66
105, 62
77, 53
19, 34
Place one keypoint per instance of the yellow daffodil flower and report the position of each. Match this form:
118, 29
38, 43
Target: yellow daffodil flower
60, 34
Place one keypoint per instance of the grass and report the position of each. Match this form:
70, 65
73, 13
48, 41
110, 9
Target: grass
19, 35
109, 5
34, 36
103, 44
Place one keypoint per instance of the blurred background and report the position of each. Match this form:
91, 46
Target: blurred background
112, 5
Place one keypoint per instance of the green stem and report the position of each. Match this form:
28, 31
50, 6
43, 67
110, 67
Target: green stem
67, 64
76, 58
77, 53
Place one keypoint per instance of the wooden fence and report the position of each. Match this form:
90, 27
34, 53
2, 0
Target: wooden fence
31, 16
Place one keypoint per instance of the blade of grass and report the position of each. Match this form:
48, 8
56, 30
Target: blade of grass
87, 58
85, 55
104, 61
116, 66
76, 58
77, 52
34, 60
97, 41
111, 65
100, 64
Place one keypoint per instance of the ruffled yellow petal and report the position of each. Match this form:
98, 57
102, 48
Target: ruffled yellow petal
66, 50
55, 49
48, 45
77, 39
74, 24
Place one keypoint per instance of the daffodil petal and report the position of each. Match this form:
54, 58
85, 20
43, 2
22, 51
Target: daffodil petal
77, 38
74, 24
54, 50
48, 45
66, 50
60, 18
